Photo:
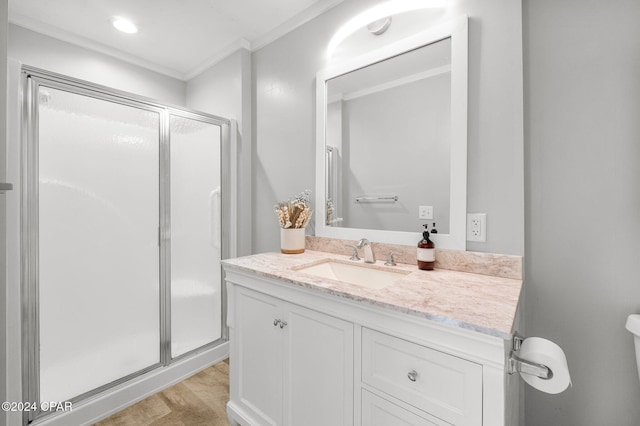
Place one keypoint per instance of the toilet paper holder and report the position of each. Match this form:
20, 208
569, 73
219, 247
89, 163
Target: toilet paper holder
515, 364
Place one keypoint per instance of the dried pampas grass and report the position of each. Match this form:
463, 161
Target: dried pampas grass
295, 213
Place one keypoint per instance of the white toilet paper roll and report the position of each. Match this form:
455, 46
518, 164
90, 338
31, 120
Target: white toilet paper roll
545, 352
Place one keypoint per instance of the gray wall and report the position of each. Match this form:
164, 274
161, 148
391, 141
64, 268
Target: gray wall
582, 150
284, 117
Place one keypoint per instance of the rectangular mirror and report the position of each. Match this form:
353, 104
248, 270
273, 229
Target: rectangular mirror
392, 136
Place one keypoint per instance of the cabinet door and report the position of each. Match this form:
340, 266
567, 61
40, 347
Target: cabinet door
259, 355
318, 365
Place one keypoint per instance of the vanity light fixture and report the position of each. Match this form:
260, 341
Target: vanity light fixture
124, 25
378, 12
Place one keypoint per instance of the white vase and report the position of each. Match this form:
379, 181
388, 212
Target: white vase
292, 240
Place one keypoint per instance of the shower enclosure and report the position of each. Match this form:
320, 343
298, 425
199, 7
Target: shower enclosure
124, 223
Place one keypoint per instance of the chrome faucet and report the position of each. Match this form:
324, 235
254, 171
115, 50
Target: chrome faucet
368, 252
354, 253
390, 261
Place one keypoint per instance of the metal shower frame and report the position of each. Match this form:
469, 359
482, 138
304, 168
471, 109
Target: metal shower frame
31, 79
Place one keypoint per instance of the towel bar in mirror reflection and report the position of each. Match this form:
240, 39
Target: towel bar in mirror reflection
377, 199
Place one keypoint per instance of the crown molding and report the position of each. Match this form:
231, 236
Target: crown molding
298, 20
54, 32
281, 30
218, 57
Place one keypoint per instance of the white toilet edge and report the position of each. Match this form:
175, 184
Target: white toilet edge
633, 324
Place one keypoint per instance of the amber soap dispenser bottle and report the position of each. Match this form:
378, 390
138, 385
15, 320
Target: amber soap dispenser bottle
426, 251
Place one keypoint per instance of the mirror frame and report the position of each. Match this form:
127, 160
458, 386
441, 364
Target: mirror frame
457, 30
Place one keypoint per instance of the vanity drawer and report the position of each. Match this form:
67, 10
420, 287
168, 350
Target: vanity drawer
443, 385
378, 411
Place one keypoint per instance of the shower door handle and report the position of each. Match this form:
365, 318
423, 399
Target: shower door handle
214, 218
4, 187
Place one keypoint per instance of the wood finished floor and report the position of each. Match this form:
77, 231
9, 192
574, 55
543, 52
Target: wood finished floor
198, 400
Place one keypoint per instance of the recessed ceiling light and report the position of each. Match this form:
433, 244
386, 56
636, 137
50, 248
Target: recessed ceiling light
124, 25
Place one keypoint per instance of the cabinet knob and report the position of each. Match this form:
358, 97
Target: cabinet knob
413, 375
283, 324
276, 322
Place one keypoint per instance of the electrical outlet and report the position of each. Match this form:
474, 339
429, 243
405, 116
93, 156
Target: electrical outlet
477, 227
425, 212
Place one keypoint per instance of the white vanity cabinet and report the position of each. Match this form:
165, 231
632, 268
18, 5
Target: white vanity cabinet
290, 365
300, 356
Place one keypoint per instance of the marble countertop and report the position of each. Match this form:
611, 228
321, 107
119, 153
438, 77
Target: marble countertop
482, 303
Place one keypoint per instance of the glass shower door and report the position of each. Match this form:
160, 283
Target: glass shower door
98, 220
125, 217
196, 276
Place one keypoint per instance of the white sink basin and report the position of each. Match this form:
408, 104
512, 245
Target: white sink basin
354, 273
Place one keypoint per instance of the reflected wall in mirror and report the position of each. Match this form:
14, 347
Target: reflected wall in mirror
392, 136
388, 142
